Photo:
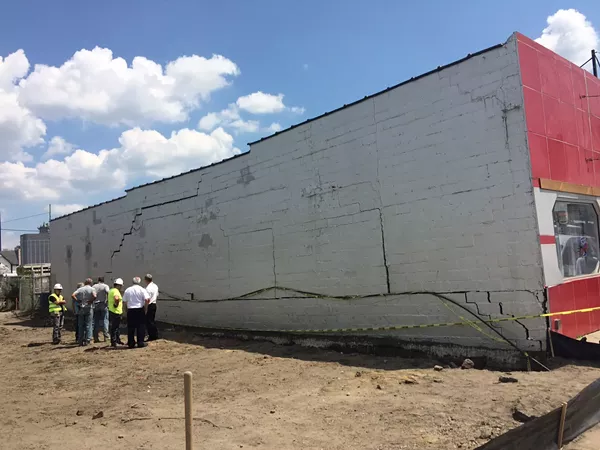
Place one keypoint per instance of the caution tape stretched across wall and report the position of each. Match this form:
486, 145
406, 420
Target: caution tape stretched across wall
443, 298
406, 327
432, 325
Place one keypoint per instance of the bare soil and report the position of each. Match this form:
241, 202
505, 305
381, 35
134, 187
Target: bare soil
255, 395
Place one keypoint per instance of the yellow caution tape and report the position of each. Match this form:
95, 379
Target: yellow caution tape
430, 325
464, 320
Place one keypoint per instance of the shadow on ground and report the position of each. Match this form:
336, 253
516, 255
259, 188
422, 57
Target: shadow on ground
106, 348
382, 361
557, 363
29, 322
383, 358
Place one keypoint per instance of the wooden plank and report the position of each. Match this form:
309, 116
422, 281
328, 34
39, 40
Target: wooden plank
571, 188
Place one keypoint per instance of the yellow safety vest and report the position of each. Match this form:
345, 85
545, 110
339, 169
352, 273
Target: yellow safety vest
111, 301
54, 308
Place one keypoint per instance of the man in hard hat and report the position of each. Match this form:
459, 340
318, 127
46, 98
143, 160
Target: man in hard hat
115, 310
137, 299
55, 308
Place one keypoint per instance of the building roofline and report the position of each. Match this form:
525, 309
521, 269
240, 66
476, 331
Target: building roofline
367, 97
150, 183
188, 172
10, 256
87, 207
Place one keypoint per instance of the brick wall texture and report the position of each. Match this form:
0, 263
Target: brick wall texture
423, 188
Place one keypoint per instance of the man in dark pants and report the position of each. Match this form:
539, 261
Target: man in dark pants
115, 310
152, 290
55, 308
76, 308
136, 298
101, 309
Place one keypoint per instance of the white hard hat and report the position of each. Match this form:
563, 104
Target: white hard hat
58, 286
119, 281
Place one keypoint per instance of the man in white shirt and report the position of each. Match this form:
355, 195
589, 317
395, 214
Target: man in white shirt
136, 298
152, 290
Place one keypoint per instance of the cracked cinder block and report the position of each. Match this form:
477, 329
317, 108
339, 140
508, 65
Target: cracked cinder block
478, 297
486, 309
426, 162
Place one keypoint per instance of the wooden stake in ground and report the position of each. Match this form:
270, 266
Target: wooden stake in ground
187, 393
561, 426
550, 341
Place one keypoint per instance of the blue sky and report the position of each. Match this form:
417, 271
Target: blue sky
318, 54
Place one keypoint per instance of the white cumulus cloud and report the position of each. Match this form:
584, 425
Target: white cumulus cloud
149, 153
19, 128
12, 68
261, 103
228, 118
96, 86
140, 154
58, 146
22, 182
245, 126
274, 127
570, 34
255, 103
210, 121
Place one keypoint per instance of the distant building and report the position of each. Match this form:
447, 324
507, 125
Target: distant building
35, 248
9, 262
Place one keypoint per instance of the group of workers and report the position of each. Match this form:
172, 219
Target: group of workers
99, 308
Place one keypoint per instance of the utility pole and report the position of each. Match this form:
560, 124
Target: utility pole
49, 213
594, 63
0, 231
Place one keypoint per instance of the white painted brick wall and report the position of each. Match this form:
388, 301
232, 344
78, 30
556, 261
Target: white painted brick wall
437, 168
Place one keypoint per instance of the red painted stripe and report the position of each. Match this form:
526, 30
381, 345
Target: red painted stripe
546, 239
536, 182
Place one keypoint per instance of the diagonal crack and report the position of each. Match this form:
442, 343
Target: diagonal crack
140, 211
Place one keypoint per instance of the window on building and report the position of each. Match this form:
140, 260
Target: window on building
576, 233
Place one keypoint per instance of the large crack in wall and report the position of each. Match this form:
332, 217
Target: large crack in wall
407, 193
138, 214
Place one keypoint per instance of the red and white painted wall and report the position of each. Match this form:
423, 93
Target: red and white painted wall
562, 110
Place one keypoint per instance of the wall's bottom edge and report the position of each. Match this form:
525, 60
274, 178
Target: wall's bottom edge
483, 357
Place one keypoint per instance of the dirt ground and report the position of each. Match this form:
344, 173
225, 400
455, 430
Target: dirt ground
255, 396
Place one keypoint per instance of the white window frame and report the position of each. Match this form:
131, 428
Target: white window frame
581, 199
